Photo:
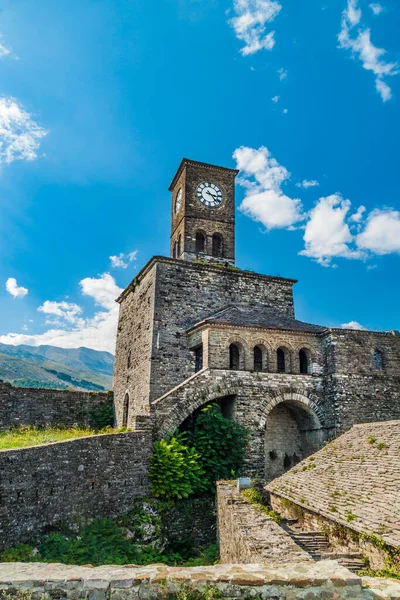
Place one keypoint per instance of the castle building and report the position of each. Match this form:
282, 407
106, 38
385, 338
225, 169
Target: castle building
194, 328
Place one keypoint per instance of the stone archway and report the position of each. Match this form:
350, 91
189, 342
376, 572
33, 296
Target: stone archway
293, 431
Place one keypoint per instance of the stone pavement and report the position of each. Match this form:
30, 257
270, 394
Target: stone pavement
314, 581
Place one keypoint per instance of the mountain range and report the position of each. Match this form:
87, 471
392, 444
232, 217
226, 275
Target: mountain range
56, 368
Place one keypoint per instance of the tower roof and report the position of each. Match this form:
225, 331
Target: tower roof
187, 161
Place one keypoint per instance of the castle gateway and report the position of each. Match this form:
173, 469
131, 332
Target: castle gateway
193, 329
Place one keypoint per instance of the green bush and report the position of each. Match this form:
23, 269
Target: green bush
175, 469
103, 416
220, 444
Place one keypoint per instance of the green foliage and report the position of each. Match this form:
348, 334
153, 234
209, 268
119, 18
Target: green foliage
392, 559
20, 437
371, 439
104, 541
350, 516
255, 498
175, 469
192, 462
387, 573
103, 416
220, 444
19, 553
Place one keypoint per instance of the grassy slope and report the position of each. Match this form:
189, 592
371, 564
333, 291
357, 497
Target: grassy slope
32, 436
30, 370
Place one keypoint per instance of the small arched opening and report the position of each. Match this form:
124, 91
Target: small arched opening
217, 245
174, 250
258, 358
236, 356
378, 360
293, 432
125, 411
305, 361
200, 242
283, 360
129, 359
178, 247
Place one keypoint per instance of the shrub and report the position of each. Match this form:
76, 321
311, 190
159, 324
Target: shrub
175, 470
220, 444
103, 416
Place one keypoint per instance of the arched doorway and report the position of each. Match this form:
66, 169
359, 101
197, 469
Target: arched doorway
293, 432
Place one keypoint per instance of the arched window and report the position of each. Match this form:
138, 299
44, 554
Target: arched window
234, 357
200, 242
303, 359
178, 250
280, 359
258, 358
129, 359
377, 360
125, 412
217, 245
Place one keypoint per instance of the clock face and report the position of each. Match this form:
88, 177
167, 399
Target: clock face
178, 201
209, 194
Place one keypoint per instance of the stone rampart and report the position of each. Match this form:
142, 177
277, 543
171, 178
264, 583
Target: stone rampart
312, 581
94, 476
31, 406
247, 535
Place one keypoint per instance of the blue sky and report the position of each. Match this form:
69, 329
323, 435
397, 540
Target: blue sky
99, 101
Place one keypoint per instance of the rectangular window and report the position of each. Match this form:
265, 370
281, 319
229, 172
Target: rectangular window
198, 358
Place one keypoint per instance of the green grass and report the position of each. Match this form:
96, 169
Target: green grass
21, 437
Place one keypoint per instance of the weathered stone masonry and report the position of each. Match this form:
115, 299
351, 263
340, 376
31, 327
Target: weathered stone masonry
196, 312
39, 407
94, 476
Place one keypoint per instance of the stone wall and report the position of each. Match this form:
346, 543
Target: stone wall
163, 301
30, 406
252, 398
247, 535
94, 476
341, 539
134, 348
363, 398
351, 351
315, 581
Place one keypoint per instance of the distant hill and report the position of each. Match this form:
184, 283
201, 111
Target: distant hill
59, 368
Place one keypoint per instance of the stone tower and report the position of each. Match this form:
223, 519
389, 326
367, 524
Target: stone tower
203, 213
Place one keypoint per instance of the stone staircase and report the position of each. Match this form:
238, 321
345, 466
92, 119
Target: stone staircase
317, 545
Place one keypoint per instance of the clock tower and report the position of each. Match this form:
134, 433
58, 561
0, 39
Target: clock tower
203, 213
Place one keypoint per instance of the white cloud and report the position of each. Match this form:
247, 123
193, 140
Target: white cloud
307, 183
14, 289
123, 260
382, 232
282, 73
376, 8
352, 325
96, 332
327, 234
66, 311
250, 22
262, 178
285, 111
20, 136
360, 44
4, 51
275, 99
